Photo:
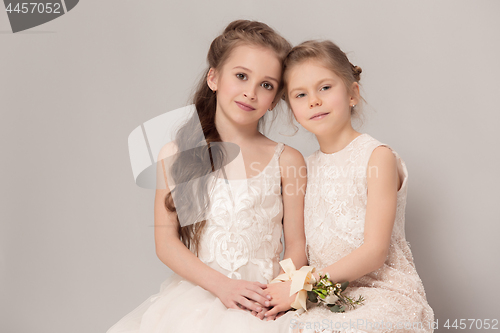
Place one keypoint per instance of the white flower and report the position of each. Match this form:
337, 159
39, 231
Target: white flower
330, 299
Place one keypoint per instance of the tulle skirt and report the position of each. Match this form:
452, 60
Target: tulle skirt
181, 306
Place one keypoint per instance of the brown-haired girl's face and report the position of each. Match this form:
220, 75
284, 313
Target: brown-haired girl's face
319, 99
246, 84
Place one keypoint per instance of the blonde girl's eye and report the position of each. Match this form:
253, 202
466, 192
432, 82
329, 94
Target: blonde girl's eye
241, 76
267, 86
325, 88
300, 95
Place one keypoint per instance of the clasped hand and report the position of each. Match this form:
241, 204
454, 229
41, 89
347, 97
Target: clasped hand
279, 302
242, 294
269, 301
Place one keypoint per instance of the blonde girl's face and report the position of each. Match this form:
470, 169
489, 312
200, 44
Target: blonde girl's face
246, 85
319, 98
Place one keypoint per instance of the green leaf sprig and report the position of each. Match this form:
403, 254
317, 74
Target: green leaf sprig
330, 294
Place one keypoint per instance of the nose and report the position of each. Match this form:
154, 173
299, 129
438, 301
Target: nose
314, 101
250, 93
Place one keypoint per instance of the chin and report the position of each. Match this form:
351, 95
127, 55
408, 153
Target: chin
244, 121
320, 130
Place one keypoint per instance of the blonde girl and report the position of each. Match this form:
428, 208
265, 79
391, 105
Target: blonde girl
354, 205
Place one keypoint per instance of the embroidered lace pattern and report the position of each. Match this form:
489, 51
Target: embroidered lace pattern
335, 208
242, 237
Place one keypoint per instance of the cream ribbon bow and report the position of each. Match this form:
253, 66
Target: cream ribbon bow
302, 282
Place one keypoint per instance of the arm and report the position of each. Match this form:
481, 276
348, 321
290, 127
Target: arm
383, 183
293, 180
173, 253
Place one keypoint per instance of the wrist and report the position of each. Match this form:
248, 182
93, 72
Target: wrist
315, 278
218, 284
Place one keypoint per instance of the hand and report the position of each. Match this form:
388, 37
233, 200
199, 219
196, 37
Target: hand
260, 314
281, 300
236, 294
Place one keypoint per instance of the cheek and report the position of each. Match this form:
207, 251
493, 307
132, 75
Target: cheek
267, 97
228, 87
340, 100
233, 89
298, 109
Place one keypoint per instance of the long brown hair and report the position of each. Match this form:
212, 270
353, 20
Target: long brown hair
191, 168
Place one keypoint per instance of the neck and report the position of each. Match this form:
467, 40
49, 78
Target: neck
235, 133
337, 140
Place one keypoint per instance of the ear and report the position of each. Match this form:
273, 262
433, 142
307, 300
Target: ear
212, 79
354, 99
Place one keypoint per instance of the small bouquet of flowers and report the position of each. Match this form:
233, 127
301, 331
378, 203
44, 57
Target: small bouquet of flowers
330, 294
307, 288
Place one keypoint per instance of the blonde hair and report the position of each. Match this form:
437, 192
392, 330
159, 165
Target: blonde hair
331, 56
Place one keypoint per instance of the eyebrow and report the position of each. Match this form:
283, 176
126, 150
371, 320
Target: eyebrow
300, 88
267, 77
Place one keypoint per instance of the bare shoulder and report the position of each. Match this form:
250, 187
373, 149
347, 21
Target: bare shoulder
168, 150
383, 169
163, 167
291, 157
382, 156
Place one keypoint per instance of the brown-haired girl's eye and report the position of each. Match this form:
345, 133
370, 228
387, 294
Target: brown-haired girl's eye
241, 76
267, 86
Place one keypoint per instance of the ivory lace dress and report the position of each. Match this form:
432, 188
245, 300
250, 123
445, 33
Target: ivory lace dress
241, 239
335, 208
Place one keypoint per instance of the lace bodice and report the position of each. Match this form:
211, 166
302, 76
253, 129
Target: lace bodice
242, 236
334, 217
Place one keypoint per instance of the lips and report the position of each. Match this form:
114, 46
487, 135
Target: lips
245, 107
319, 115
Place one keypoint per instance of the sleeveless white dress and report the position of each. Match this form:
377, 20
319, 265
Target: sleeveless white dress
241, 239
335, 208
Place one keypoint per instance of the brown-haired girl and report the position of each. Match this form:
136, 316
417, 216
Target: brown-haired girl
354, 205
219, 231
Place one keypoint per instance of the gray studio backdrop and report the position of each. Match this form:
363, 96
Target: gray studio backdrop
76, 238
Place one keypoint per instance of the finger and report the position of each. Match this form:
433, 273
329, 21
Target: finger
272, 312
250, 304
261, 285
258, 290
260, 315
261, 292
255, 313
270, 318
268, 294
234, 306
256, 297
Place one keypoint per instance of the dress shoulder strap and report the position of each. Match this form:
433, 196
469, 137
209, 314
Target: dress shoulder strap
279, 149
369, 146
